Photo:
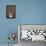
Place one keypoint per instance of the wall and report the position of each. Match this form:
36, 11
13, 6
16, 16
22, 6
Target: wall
31, 11
27, 12
6, 25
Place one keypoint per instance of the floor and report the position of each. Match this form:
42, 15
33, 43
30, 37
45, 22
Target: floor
34, 43
28, 43
7, 45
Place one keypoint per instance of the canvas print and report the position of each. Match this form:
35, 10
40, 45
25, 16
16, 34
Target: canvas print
10, 11
33, 32
30, 35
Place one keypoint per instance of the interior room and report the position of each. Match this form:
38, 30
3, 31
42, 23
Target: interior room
27, 12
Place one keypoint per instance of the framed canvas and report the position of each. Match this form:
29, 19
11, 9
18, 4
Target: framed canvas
32, 32
10, 11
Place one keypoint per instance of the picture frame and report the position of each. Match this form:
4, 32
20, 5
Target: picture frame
10, 11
